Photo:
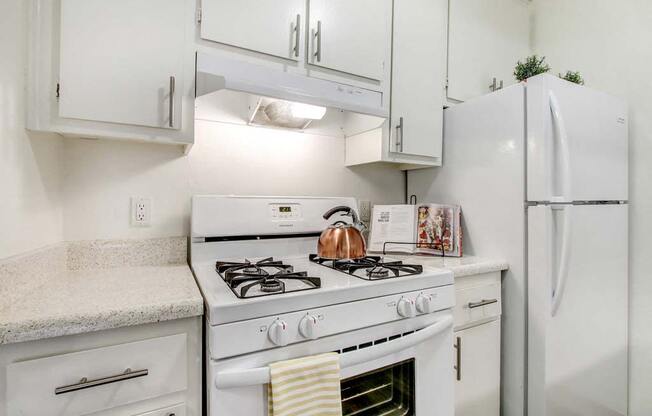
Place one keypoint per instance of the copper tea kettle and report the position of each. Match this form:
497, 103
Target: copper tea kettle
342, 240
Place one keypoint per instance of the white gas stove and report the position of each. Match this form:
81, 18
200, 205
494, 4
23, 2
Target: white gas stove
269, 298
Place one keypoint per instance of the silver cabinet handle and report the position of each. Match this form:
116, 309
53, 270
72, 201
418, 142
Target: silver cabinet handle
492, 86
399, 135
171, 109
297, 35
483, 302
458, 358
84, 383
500, 86
318, 37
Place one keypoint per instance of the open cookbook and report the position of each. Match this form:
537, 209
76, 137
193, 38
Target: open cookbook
433, 229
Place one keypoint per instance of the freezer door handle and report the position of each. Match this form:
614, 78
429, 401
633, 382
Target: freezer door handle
564, 151
561, 275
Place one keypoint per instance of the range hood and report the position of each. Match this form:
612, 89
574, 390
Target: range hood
219, 73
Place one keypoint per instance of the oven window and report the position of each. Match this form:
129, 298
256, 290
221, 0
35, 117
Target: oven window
387, 391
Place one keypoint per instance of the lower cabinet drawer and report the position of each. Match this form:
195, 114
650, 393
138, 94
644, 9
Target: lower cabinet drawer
93, 380
476, 304
177, 410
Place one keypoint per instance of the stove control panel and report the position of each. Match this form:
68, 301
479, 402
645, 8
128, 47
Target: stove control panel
301, 326
285, 212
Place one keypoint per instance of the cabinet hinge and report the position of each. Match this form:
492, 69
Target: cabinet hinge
58, 91
199, 15
446, 84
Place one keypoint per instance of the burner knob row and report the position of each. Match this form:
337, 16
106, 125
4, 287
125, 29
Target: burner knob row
408, 308
278, 331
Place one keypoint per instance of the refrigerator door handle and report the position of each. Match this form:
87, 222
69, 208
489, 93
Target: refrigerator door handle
562, 136
562, 268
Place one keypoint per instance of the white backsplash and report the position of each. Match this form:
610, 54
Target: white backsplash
101, 176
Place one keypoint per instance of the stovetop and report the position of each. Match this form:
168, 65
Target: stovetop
370, 267
265, 277
223, 305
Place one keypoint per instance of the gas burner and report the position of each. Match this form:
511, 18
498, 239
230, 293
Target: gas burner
271, 285
264, 277
370, 267
378, 272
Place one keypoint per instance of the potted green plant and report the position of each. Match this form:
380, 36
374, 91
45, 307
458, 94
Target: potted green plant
533, 65
573, 76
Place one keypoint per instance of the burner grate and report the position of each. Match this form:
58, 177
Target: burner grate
370, 267
267, 276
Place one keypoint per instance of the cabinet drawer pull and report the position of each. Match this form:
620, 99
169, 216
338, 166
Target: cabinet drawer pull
171, 109
399, 135
84, 383
318, 37
458, 358
483, 302
297, 35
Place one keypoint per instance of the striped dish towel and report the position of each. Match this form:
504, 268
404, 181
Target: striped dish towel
308, 386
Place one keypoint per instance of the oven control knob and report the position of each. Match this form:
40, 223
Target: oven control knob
425, 303
309, 326
406, 308
278, 333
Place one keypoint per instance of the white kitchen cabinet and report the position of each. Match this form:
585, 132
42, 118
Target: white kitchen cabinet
97, 379
412, 138
145, 370
486, 38
270, 27
477, 388
476, 315
418, 78
350, 36
118, 69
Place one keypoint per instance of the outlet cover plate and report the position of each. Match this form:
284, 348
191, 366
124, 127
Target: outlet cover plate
141, 211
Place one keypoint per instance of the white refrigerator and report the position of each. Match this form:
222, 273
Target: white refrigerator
540, 170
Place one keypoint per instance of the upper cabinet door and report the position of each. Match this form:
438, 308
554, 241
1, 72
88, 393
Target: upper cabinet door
122, 61
267, 26
418, 77
486, 39
351, 36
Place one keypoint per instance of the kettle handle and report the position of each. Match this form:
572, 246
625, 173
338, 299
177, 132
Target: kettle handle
346, 210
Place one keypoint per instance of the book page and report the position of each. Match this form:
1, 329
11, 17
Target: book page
392, 223
438, 230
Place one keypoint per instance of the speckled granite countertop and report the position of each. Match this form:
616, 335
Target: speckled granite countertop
460, 266
79, 287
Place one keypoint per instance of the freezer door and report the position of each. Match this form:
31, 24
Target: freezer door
577, 310
576, 143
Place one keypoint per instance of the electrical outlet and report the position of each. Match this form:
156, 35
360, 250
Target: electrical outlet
365, 211
141, 211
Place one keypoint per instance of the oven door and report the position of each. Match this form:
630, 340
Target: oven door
400, 368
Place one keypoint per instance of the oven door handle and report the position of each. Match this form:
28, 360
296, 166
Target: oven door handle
256, 376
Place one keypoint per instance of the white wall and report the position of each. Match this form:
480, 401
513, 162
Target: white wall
100, 176
30, 208
609, 42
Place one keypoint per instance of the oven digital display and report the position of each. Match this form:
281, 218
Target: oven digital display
284, 209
